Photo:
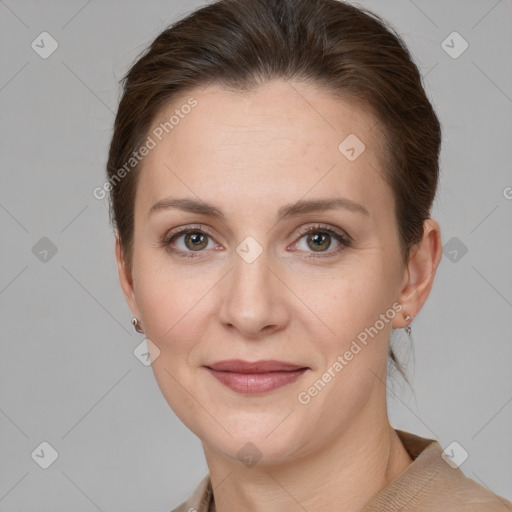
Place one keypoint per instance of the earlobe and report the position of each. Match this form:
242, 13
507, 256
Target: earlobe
420, 272
125, 278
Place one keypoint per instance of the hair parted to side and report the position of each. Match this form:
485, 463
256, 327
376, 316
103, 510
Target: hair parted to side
241, 44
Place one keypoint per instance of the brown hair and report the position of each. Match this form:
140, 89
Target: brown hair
240, 44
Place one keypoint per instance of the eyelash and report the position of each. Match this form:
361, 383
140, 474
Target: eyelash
344, 240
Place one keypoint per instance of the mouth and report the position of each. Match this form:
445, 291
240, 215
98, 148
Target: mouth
251, 378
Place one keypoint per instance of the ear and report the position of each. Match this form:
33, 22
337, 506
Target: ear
125, 279
419, 273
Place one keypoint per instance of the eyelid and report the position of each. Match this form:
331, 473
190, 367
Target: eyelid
320, 226
181, 230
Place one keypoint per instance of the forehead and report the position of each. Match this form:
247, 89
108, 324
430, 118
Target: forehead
278, 142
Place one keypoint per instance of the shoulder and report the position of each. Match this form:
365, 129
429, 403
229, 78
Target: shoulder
199, 501
432, 482
466, 495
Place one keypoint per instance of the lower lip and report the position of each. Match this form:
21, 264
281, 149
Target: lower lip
256, 383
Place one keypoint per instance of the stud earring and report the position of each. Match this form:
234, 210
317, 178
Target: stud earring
407, 328
136, 325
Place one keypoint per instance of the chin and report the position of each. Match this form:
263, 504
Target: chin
254, 439
260, 451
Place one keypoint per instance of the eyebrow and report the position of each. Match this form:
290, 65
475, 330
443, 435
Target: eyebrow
291, 210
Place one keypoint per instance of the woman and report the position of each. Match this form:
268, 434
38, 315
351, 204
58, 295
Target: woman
272, 170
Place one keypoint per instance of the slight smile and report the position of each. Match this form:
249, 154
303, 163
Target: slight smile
251, 378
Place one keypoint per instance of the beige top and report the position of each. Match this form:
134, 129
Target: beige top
428, 484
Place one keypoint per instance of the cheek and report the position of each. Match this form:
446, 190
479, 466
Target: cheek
172, 311
347, 331
344, 301
351, 339
163, 297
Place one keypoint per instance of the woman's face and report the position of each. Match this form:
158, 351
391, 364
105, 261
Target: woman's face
246, 283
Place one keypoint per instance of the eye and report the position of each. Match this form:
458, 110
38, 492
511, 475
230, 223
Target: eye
187, 241
191, 241
320, 238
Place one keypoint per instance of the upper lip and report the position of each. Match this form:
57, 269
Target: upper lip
265, 366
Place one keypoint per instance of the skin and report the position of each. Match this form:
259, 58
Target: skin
250, 154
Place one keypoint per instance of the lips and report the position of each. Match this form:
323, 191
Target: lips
241, 366
257, 377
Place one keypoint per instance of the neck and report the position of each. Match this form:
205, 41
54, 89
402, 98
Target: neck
345, 474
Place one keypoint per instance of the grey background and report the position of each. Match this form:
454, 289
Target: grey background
68, 375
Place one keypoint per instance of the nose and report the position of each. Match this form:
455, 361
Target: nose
255, 300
